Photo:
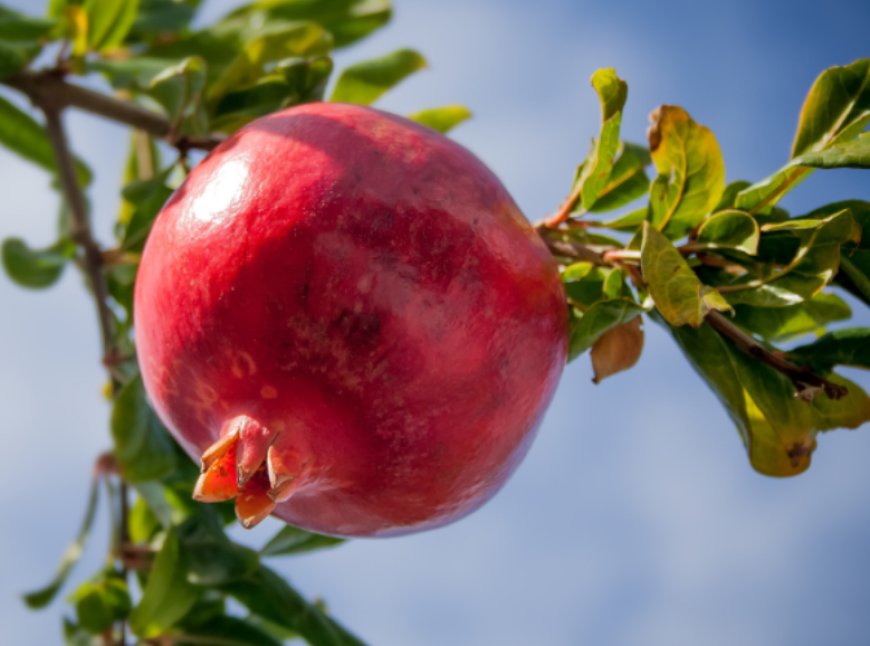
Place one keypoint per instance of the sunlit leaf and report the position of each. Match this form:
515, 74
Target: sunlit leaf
293, 540
848, 154
691, 171
595, 173
627, 181
42, 597
678, 294
836, 109
730, 229
109, 21
167, 595
366, 81
36, 268
442, 119
143, 448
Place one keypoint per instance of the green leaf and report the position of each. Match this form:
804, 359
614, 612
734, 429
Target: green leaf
13, 58
266, 594
808, 248
293, 540
781, 323
146, 198
848, 154
276, 43
587, 284
627, 181
42, 597
210, 557
162, 17
36, 268
836, 109
227, 631
143, 448
595, 173
442, 119
602, 316
167, 596
24, 136
347, 20
101, 602
17, 26
678, 294
846, 347
730, 229
109, 22
854, 272
179, 89
366, 81
628, 222
294, 81
75, 635
691, 171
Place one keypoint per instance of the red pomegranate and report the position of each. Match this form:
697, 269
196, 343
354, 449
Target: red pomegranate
346, 317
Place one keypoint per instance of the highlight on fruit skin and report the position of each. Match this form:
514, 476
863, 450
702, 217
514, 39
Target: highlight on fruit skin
346, 319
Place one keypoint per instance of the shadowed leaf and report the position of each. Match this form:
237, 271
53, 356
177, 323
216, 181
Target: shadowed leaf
678, 294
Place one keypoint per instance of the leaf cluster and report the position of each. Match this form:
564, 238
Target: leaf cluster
725, 269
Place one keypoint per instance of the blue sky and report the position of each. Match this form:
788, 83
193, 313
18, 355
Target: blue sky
636, 518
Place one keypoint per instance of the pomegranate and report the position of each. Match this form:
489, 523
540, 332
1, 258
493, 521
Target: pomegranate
346, 317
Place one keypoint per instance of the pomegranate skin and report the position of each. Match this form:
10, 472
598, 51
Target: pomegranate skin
363, 291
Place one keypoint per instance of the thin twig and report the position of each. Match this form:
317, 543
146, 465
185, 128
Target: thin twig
50, 91
805, 380
81, 233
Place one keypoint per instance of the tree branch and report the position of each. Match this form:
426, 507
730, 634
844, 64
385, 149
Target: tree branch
49, 91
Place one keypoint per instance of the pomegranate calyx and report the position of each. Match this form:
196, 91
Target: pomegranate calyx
244, 464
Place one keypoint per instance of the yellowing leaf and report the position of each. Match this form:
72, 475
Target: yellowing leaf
691, 171
442, 119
